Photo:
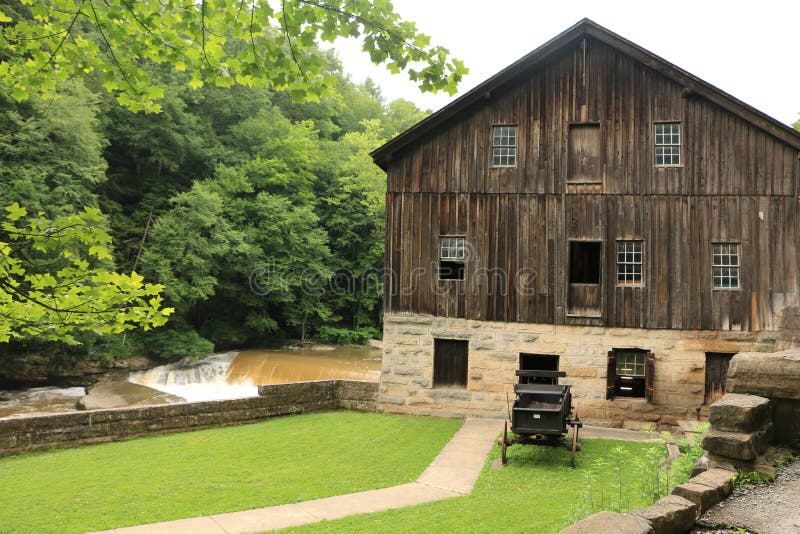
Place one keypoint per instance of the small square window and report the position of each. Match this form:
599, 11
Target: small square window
667, 144
504, 146
452, 257
725, 265
630, 258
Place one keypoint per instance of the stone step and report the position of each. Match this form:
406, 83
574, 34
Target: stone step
736, 412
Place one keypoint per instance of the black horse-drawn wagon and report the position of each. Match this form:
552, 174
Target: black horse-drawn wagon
542, 412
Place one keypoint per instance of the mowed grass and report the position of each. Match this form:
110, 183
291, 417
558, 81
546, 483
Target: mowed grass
175, 476
536, 492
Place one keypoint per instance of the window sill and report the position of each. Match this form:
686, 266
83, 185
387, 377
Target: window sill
502, 166
630, 285
726, 289
668, 166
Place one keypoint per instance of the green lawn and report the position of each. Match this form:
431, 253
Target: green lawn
537, 492
159, 478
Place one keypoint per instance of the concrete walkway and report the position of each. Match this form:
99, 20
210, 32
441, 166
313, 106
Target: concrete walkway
451, 474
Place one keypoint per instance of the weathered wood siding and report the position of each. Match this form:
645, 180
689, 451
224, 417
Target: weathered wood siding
737, 183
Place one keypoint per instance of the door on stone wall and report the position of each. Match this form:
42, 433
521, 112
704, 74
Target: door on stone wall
716, 373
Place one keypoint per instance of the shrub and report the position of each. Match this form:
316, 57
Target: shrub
346, 336
177, 344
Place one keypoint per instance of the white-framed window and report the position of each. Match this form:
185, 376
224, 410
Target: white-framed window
452, 248
667, 144
630, 256
452, 256
725, 265
630, 363
504, 146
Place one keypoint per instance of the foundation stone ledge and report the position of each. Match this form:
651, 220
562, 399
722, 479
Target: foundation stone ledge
395, 318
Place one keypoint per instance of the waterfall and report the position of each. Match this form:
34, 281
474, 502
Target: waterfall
206, 379
234, 375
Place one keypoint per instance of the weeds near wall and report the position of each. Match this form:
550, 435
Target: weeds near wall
655, 479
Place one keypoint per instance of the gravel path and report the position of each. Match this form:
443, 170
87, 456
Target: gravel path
769, 509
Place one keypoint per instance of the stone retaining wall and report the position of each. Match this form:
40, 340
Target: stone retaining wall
70, 429
494, 349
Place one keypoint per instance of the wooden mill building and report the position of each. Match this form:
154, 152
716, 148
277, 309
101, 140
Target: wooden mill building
595, 209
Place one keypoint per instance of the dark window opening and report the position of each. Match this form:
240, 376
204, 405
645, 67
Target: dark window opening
450, 359
630, 374
451, 270
717, 364
584, 262
538, 362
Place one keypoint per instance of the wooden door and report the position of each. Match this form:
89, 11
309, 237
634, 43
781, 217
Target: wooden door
584, 154
716, 373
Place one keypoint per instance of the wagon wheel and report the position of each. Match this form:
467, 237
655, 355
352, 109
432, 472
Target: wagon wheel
575, 429
503, 443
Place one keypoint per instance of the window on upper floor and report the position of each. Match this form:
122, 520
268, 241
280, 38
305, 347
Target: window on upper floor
630, 255
452, 256
725, 265
504, 146
668, 144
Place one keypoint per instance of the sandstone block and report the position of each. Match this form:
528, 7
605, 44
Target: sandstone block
610, 523
707, 489
387, 399
775, 375
671, 515
738, 445
736, 412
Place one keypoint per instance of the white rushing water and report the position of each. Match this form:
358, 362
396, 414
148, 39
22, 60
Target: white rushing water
203, 380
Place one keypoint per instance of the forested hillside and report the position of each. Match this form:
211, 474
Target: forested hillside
263, 218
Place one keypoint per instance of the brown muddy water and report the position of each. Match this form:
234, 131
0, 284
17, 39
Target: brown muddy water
221, 376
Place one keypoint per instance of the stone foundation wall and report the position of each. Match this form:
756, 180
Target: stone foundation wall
71, 429
679, 383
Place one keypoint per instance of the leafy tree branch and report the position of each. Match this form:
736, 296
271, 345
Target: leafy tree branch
218, 43
81, 293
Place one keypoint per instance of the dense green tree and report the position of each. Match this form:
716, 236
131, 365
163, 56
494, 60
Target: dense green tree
353, 211
51, 151
400, 115
243, 202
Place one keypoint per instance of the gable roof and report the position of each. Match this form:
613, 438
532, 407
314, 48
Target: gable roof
586, 27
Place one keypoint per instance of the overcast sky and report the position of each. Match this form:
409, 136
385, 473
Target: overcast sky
748, 49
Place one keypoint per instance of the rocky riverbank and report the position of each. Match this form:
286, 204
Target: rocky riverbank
36, 370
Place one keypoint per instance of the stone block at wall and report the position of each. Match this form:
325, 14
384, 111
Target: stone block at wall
773, 375
70, 429
494, 349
